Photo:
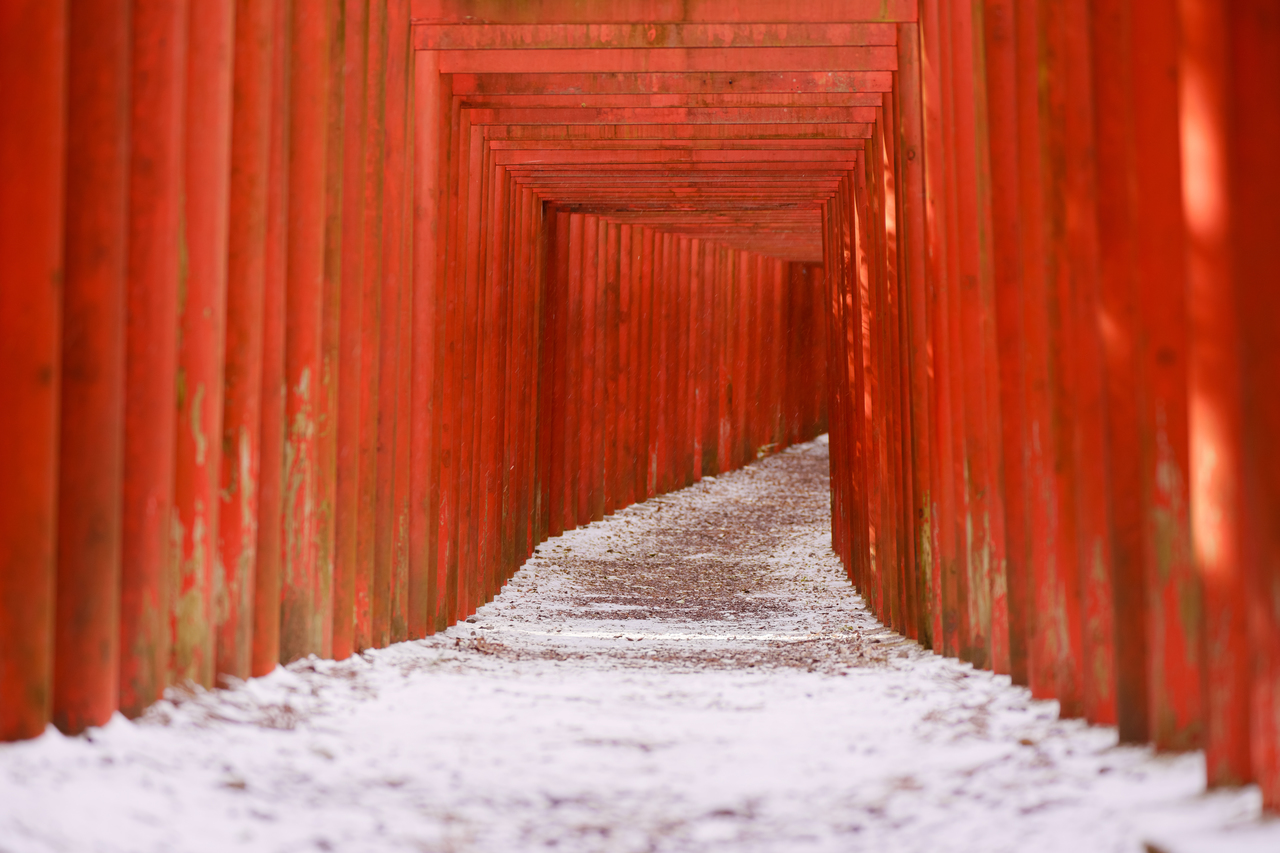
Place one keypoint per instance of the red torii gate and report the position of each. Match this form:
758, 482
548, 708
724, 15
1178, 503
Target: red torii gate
316, 318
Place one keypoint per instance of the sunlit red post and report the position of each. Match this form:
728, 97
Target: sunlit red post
1254, 68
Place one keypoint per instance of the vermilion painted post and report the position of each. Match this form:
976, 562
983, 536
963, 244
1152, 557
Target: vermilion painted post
395, 628
589, 408
269, 552
544, 239
518, 455
778, 356
600, 408
512, 450
33, 70
507, 450
686, 409
830, 314
667, 342
493, 371
329, 408
430, 137
398, 221
87, 627
724, 359
539, 347
793, 387
473, 295
860, 537
456, 422
529, 524
519, 458
1112, 94
886, 368
557, 332
659, 441
1042, 655
1174, 593
878, 375
448, 380
855, 519
156, 98
986, 500
201, 341
1088, 406
637, 319
752, 356
704, 418
1062, 587
646, 448
852, 233
730, 333
914, 260
373, 615
487, 345
400, 224
703, 279
625, 445
355, 581
541, 251
740, 312
1254, 179
945, 635
574, 335
608, 366
841, 449
1001, 74
950, 325
904, 539
611, 437
895, 214
473, 343
872, 479
653, 280
345, 421
308, 87
880, 171
680, 365
841, 381
1214, 375
246, 275
680, 408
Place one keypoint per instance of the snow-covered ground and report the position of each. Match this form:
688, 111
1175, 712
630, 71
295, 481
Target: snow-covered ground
693, 674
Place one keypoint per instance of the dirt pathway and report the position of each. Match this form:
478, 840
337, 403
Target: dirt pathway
693, 674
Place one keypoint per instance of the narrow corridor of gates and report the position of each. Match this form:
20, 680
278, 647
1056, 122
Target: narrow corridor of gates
316, 318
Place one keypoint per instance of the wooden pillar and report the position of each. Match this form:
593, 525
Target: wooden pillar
156, 137
33, 162
246, 276
362, 26
86, 627
270, 546
309, 82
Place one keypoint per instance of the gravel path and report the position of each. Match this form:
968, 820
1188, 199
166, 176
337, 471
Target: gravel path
693, 674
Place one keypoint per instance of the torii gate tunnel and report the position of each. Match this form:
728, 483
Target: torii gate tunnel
316, 317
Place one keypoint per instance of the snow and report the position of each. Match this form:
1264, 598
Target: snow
692, 674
